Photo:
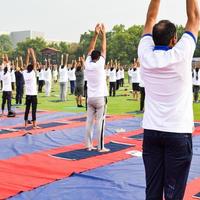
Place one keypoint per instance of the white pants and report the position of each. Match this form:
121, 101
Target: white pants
96, 108
47, 88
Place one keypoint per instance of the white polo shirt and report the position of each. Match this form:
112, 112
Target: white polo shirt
135, 75
71, 74
41, 75
30, 82
47, 75
7, 79
112, 75
122, 73
63, 75
167, 78
96, 77
196, 78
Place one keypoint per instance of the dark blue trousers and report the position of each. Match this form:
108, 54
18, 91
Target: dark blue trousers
72, 87
167, 158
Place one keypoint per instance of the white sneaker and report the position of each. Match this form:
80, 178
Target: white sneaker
104, 150
91, 148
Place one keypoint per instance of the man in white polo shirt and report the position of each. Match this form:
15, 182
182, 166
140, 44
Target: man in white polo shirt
168, 117
97, 90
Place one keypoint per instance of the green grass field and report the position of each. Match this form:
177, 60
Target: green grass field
121, 104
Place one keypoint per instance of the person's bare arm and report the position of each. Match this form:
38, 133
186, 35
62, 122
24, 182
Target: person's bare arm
27, 57
66, 59
193, 15
94, 39
103, 42
61, 60
32, 52
151, 16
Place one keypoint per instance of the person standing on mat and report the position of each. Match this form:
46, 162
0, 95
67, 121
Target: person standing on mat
97, 90
30, 87
7, 85
79, 86
168, 117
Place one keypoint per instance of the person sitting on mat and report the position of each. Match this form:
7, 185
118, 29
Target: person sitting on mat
97, 90
30, 87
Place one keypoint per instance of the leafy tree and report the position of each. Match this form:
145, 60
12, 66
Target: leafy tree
6, 46
37, 44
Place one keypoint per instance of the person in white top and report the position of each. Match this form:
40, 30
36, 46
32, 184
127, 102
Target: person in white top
48, 78
30, 87
118, 75
196, 83
168, 116
63, 79
7, 86
122, 76
135, 75
55, 73
72, 77
97, 90
13, 79
41, 79
112, 80
1, 75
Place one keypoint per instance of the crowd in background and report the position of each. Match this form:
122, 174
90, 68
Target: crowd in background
72, 76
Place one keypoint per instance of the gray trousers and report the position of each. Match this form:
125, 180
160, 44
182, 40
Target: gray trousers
96, 109
63, 91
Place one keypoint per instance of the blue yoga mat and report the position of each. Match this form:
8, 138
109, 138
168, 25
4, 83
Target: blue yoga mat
84, 153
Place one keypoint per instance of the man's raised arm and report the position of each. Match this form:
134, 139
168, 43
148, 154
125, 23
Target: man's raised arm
151, 16
193, 17
94, 39
103, 42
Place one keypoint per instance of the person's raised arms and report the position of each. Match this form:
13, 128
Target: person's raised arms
193, 16
94, 39
151, 16
103, 42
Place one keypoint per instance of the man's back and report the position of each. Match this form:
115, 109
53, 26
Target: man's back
168, 84
96, 78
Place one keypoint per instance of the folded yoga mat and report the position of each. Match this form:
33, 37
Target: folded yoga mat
45, 125
196, 196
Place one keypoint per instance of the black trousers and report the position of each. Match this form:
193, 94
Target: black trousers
142, 98
19, 93
167, 158
118, 84
122, 82
85, 93
7, 95
31, 100
196, 89
40, 85
112, 89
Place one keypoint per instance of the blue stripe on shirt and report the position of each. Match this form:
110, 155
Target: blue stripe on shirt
192, 35
148, 34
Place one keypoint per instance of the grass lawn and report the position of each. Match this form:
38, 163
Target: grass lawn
121, 104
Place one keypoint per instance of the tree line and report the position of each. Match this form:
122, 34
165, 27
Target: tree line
122, 44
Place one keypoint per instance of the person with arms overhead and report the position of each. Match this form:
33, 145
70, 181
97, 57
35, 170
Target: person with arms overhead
168, 116
97, 90
7, 85
30, 87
